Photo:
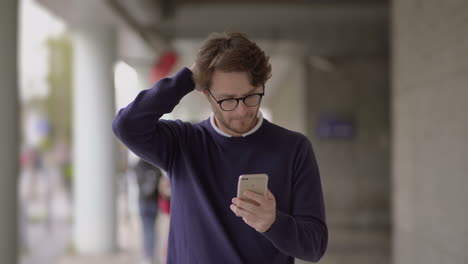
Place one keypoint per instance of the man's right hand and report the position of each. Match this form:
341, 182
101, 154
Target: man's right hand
195, 72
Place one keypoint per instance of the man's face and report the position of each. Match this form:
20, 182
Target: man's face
233, 85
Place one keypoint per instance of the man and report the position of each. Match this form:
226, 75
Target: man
204, 161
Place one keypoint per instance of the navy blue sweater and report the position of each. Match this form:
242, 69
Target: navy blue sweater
204, 167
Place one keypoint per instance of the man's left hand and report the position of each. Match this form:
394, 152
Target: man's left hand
260, 213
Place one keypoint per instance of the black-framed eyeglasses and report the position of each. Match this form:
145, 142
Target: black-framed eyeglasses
229, 104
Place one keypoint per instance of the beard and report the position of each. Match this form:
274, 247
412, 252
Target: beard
238, 125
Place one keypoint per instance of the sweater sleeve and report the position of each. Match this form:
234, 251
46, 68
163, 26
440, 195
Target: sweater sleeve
303, 234
139, 127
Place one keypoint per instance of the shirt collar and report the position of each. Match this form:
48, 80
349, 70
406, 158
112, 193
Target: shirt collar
253, 130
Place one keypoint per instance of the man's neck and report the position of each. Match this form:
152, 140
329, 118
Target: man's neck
231, 132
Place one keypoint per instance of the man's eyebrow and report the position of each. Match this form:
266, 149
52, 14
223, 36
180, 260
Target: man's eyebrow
233, 95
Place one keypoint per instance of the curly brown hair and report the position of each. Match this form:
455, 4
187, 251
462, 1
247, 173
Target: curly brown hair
231, 52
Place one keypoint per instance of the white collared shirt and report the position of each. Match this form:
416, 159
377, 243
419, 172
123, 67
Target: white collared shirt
255, 128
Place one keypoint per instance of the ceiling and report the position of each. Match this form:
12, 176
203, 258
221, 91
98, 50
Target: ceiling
321, 25
160, 21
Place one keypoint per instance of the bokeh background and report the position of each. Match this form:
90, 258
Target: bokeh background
380, 88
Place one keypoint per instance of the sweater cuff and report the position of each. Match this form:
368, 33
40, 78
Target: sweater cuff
185, 75
277, 230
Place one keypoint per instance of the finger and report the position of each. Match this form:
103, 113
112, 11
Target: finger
240, 212
252, 208
233, 208
249, 218
259, 198
249, 221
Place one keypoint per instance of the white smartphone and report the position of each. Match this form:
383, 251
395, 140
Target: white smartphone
252, 182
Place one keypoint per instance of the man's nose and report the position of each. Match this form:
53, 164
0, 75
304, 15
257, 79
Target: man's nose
242, 109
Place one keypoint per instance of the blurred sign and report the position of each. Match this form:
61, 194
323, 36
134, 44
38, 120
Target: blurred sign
330, 127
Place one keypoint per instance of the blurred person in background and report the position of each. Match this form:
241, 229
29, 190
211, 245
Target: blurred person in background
148, 178
164, 216
204, 160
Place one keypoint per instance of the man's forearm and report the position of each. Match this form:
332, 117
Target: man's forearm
138, 125
153, 103
305, 239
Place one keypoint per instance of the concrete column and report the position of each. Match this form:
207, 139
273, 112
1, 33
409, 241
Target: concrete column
9, 132
430, 130
94, 143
